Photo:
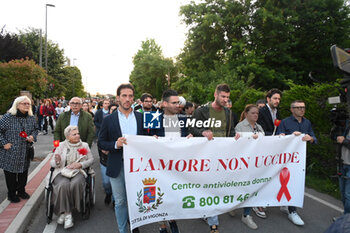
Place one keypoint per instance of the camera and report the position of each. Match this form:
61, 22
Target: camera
339, 113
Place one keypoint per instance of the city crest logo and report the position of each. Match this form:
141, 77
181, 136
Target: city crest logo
151, 120
147, 200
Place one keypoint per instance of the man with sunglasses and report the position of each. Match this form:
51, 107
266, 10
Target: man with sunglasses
296, 124
75, 116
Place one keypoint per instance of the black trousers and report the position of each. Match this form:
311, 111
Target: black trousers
45, 128
292, 209
16, 182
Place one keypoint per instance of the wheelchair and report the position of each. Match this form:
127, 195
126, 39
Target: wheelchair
88, 199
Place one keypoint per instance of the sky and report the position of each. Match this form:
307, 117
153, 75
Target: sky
101, 36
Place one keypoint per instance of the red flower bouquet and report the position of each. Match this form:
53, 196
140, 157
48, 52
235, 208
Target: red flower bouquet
23, 134
56, 143
276, 123
83, 151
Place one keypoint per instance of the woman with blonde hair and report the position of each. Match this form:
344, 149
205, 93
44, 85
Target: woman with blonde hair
18, 130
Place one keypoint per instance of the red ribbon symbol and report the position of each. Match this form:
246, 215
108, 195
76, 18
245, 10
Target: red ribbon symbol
284, 179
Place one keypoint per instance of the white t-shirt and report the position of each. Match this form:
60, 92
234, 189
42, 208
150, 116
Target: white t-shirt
59, 110
171, 127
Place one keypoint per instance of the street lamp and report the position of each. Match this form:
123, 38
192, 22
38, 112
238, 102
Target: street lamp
50, 5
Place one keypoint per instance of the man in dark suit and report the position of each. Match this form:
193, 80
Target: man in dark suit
123, 121
98, 119
267, 116
101, 114
269, 113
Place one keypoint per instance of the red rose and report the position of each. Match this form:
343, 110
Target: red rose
23, 134
56, 143
277, 122
83, 151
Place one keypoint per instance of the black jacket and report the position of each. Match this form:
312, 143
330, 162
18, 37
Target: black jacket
202, 113
109, 133
265, 120
161, 133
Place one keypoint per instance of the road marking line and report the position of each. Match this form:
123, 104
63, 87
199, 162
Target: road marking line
50, 228
324, 202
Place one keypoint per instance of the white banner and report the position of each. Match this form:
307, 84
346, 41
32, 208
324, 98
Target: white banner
182, 178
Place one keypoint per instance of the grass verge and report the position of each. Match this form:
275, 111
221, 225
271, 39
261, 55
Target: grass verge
329, 186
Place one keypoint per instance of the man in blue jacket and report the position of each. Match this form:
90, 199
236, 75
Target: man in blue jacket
296, 124
123, 121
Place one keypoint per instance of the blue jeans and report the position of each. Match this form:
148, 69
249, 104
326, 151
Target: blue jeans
105, 180
246, 211
121, 206
213, 220
344, 184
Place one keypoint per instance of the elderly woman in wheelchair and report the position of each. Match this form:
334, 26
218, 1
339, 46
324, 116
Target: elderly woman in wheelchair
68, 178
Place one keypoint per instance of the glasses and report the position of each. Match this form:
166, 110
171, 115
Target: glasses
74, 103
299, 108
25, 104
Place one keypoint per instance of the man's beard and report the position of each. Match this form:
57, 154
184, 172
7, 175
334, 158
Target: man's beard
125, 104
219, 104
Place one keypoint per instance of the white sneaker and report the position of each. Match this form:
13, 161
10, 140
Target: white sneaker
294, 217
248, 220
284, 209
60, 219
68, 221
259, 213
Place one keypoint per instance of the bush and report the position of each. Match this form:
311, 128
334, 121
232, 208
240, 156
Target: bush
250, 96
320, 162
315, 98
18, 75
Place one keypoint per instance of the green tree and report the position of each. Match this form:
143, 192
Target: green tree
55, 56
18, 75
295, 36
71, 80
264, 43
11, 48
152, 72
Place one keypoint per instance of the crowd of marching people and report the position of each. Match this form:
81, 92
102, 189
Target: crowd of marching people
77, 123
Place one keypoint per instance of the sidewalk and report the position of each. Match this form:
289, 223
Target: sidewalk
14, 217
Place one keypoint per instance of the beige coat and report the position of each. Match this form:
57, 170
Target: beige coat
86, 162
